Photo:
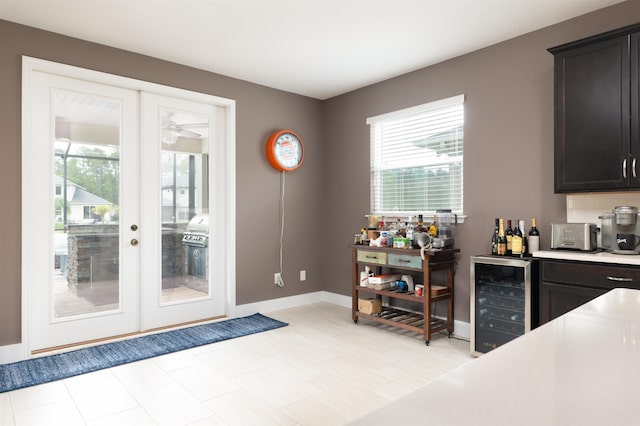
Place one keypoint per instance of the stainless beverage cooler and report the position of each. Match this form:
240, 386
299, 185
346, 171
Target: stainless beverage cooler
504, 300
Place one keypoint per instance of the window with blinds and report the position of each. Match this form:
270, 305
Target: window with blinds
416, 159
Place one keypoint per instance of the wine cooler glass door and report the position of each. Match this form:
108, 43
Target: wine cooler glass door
500, 303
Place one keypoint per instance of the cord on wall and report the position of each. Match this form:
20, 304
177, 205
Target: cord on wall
280, 282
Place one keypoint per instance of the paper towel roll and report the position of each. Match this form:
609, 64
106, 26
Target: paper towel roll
409, 280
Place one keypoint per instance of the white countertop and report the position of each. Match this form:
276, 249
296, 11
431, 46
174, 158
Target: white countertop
586, 256
582, 368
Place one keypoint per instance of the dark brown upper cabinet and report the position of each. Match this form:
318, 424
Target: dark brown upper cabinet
597, 145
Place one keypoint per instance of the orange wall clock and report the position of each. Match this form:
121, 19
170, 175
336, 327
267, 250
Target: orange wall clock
285, 150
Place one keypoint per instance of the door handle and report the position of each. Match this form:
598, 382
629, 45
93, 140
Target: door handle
134, 242
624, 168
633, 167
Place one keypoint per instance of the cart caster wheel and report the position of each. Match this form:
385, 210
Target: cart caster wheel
426, 342
450, 334
355, 321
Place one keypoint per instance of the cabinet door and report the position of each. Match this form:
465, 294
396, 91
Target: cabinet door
592, 108
635, 110
558, 299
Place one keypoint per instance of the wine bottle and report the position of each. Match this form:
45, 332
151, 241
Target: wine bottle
525, 244
420, 226
502, 240
494, 238
516, 241
509, 234
534, 237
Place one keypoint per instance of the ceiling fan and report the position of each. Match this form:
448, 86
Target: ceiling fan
171, 130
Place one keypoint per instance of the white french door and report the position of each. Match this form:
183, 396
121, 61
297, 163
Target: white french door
118, 186
80, 260
180, 139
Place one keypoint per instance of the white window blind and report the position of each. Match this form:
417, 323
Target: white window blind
416, 158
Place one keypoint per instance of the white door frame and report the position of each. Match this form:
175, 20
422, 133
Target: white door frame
225, 165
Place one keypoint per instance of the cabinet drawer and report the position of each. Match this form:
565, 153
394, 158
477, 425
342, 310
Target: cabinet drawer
372, 257
588, 275
405, 261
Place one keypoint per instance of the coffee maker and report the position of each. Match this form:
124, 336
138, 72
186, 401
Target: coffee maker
623, 222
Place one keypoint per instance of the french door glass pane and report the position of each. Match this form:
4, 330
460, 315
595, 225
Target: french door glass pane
86, 204
184, 196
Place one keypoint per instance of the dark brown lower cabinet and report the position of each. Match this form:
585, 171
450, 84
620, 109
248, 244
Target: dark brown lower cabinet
565, 285
558, 299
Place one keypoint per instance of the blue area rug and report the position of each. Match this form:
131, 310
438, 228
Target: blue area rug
55, 367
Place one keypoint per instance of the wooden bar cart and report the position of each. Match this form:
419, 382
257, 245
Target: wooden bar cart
396, 260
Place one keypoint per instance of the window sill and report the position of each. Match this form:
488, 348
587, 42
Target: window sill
405, 218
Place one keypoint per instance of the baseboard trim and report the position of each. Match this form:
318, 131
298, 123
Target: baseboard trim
13, 353
267, 306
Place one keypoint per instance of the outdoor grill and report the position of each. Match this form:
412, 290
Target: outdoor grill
196, 239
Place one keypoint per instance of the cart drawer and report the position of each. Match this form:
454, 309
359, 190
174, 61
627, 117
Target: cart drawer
372, 257
405, 261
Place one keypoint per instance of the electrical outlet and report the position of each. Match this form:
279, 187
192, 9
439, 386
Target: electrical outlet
277, 278
303, 275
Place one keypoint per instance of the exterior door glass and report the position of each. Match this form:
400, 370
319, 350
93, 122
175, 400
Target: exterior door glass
184, 194
86, 164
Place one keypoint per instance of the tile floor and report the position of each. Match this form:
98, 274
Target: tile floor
322, 369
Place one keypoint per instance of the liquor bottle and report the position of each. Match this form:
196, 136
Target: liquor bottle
494, 238
525, 244
534, 237
433, 228
410, 231
502, 240
516, 241
403, 230
509, 234
420, 226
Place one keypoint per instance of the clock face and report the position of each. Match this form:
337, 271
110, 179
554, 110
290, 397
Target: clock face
285, 151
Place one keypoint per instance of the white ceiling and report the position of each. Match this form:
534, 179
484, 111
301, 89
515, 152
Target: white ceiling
317, 48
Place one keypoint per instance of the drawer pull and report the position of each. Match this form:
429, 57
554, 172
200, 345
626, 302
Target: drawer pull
371, 257
620, 279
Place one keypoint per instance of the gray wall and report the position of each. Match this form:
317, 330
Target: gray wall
259, 112
508, 152
508, 170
